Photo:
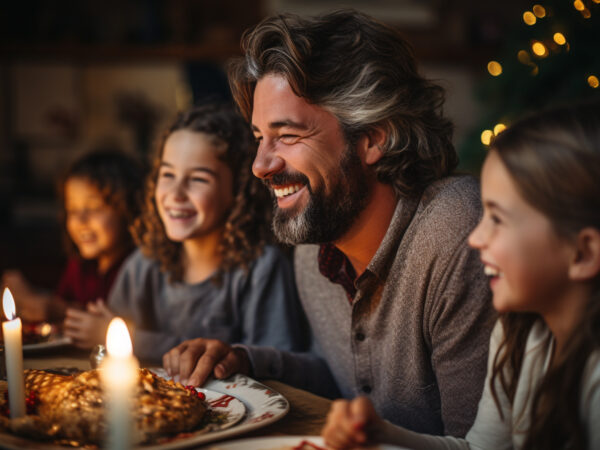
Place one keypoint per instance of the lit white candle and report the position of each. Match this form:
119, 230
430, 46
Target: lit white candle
119, 376
13, 351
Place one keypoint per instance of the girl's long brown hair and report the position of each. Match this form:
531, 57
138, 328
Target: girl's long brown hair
554, 159
246, 230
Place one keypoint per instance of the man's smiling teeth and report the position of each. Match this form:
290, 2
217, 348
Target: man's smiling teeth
491, 271
179, 214
288, 190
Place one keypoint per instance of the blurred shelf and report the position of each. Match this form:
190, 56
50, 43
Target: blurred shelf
111, 53
218, 53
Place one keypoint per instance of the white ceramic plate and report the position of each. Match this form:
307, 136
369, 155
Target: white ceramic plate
250, 404
281, 443
55, 341
263, 407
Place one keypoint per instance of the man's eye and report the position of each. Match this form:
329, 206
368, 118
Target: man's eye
495, 219
165, 175
288, 138
199, 179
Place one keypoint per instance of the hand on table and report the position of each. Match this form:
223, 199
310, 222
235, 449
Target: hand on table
88, 328
196, 359
351, 424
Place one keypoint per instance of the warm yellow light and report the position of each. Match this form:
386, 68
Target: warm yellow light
8, 304
559, 38
593, 81
499, 128
118, 342
578, 4
494, 68
535, 70
486, 137
540, 11
529, 18
523, 57
45, 329
539, 49
586, 13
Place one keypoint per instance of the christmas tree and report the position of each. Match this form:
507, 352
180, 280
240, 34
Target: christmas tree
551, 56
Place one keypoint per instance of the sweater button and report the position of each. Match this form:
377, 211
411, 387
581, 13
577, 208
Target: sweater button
366, 389
360, 336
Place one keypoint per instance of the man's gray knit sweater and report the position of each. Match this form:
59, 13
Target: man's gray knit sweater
415, 336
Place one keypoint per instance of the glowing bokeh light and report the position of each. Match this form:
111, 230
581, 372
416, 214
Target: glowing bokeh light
535, 71
523, 57
486, 137
593, 81
539, 11
499, 128
494, 68
529, 18
578, 4
539, 49
559, 38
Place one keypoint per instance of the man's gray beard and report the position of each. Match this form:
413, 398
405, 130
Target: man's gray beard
326, 219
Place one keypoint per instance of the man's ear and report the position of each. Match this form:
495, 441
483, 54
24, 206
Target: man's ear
586, 263
370, 146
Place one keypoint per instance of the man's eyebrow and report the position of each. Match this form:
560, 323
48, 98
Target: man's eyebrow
283, 123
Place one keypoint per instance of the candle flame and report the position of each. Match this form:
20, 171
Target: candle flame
8, 304
118, 342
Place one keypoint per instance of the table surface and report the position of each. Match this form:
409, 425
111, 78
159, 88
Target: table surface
307, 411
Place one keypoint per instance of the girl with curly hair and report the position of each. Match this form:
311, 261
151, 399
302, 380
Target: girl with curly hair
100, 198
204, 267
539, 240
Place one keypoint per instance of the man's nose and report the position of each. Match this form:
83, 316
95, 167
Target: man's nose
266, 162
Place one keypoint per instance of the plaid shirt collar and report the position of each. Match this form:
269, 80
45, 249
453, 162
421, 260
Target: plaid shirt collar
335, 266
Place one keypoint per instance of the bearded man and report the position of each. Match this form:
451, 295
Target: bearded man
353, 145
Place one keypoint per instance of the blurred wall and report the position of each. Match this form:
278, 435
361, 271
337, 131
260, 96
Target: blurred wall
74, 75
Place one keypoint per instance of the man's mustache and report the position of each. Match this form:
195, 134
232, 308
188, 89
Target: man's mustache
280, 179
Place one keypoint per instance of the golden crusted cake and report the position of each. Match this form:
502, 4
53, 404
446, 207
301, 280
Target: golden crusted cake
71, 407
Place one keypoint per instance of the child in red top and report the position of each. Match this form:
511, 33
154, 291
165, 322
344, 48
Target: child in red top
100, 199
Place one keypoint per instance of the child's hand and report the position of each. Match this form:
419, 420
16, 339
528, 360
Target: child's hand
351, 424
88, 328
194, 360
31, 305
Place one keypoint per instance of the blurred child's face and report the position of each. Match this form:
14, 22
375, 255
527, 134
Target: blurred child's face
194, 189
526, 261
94, 226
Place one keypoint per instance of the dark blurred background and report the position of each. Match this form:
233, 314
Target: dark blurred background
75, 75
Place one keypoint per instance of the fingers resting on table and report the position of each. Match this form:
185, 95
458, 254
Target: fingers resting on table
87, 328
350, 424
196, 359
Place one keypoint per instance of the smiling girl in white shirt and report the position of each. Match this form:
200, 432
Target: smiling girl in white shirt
539, 240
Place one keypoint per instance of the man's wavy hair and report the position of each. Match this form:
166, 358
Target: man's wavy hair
246, 230
119, 177
365, 74
554, 160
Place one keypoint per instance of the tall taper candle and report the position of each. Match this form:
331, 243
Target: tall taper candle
119, 376
13, 351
